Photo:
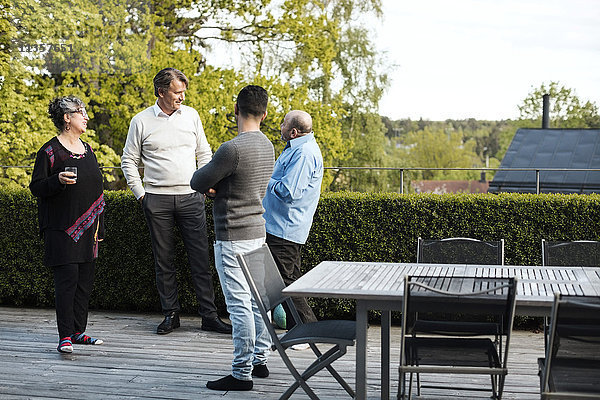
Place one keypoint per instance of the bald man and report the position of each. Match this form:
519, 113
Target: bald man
291, 200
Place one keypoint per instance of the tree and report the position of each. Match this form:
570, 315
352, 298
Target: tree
566, 109
363, 130
318, 48
28, 86
309, 54
364, 134
488, 136
438, 149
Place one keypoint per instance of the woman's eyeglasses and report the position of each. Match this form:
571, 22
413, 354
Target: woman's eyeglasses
81, 111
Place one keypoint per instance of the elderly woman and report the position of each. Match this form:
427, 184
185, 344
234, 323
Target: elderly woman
71, 215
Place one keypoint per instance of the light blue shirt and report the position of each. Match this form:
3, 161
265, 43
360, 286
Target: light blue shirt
294, 189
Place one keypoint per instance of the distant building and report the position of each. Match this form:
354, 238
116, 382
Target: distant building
551, 148
440, 187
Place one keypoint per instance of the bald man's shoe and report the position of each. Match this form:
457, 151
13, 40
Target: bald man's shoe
216, 325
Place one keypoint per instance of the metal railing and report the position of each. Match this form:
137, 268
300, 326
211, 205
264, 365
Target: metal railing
482, 169
402, 170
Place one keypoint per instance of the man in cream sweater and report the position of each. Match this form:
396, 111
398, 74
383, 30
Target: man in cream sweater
168, 139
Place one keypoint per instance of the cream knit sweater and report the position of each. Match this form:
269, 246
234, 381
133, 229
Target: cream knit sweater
169, 147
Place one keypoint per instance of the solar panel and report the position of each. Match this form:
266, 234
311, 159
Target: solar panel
551, 148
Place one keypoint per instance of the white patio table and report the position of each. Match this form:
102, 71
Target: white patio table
379, 286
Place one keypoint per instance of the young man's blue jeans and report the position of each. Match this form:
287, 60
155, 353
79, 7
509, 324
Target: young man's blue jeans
251, 340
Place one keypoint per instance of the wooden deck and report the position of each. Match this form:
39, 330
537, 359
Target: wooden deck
135, 363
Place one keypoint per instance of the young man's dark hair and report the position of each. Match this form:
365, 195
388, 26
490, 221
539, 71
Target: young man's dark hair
165, 76
252, 100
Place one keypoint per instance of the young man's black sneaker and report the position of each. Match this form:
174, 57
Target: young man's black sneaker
229, 383
260, 371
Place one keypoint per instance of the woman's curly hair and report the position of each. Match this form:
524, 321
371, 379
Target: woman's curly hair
61, 106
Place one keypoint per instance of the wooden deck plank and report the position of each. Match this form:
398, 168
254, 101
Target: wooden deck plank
135, 363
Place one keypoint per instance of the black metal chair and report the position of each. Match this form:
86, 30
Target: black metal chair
266, 285
571, 368
454, 353
459, 250
581, 253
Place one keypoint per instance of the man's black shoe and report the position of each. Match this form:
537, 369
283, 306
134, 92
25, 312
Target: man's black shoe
215, 325
170, 322
260, 371
229, 383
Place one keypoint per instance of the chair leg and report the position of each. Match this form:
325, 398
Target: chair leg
497, 386
341, 381
501, 380
341, 351
546, 328
493, 386
400, 393
418, 378
402, 386
299, 383
300, 380
498, 345
414, 335
323, 360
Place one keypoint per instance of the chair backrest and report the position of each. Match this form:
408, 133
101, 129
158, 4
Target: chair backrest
460, 250
581, 253
265, 282
572, 363
461, 297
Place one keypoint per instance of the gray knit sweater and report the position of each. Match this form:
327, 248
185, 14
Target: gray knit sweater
239, 171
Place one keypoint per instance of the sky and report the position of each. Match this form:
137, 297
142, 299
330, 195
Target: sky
481, 58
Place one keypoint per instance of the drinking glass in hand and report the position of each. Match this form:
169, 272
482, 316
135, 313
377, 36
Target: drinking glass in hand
73, 171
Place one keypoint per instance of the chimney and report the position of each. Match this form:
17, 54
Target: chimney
546, 111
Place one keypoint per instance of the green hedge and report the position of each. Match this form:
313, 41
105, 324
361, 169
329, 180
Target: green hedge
347, 226
125, 277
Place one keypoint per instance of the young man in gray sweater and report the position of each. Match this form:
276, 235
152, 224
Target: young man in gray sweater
168, 139
237, 177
